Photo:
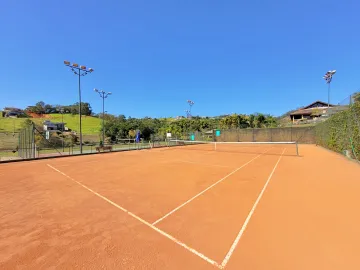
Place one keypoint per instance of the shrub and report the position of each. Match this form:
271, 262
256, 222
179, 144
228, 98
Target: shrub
341, 131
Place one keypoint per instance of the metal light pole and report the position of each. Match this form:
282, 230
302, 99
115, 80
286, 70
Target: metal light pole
62, 127
191, 103
103, 95
328, 78
80, 71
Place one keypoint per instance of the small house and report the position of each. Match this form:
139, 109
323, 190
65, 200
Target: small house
48, 125
311, 111
12, 112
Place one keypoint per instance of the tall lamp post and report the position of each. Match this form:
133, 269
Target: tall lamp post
103, 95
191, 103
328, 78
62, 127
80, 71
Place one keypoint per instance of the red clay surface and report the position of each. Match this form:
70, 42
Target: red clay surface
72, 212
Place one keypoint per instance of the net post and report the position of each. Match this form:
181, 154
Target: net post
215, 146
297, 148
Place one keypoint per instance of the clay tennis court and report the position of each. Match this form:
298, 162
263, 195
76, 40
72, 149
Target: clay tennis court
261, 207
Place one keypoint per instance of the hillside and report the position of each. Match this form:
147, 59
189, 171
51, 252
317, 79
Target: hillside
90, 125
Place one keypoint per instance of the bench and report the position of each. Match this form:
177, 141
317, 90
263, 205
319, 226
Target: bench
103, 148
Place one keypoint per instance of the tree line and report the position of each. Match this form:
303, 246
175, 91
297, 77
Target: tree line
42, 108
119, 127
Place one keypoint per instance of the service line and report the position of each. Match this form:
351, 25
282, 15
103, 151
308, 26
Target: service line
202, 192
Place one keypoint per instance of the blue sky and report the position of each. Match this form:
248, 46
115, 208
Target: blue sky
226, 56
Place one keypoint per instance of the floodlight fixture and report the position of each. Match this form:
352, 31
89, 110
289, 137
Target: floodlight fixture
328, 78
79, 71
103, 95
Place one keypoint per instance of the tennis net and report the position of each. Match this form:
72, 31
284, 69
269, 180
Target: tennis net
274, 148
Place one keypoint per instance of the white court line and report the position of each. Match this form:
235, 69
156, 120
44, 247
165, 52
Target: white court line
237, 239
205, 164
197, 195
202, 256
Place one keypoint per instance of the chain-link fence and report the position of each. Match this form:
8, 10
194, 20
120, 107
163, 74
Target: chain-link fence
34, 142
289, 134
26, 144
341, 132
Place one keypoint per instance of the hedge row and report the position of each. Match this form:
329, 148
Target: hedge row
341, 132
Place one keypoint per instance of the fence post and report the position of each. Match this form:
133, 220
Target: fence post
253, 135
19, 144
25, 144
33, 142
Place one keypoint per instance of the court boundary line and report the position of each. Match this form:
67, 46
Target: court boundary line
209, 187
247, 220
170, 237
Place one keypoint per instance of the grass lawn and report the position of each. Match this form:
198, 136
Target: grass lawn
8, 140
90, 125
10, 124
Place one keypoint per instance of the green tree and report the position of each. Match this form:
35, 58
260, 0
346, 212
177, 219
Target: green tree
27, 123
251, 120
49, 108
40, 107
132, 133
271, 121
356, 97
259, 120
31, 109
